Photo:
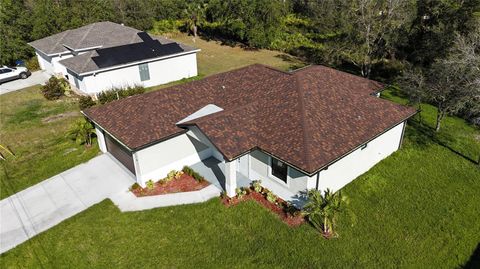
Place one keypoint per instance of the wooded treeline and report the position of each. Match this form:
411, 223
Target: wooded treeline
388, 40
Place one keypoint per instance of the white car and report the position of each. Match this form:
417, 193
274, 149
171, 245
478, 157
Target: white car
11, 73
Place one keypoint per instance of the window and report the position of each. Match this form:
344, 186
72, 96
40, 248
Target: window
364, 147
279, 170
6, 70
144, 72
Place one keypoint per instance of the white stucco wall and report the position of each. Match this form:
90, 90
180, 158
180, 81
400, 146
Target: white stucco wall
161, 72
156, 161
196, 133
336, 176
360, 161
101, 140
260, 170
51, 63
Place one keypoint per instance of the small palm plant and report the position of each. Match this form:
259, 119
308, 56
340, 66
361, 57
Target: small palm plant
322, 210
195, 15
5, 149
82, 132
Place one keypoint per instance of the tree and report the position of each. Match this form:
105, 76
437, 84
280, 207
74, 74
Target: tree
433, 29
195, 15
322, 210
14, 30
369, 26
254, 22
452, 83
82, 132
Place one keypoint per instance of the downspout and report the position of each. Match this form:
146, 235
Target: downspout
318, 179
403, 134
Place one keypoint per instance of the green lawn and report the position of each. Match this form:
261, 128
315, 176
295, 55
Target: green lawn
35, 129
216, 58
418, 208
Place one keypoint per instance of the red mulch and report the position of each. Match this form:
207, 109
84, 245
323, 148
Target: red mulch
279, 208
183, 184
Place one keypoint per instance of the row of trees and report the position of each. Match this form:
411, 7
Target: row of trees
417, 40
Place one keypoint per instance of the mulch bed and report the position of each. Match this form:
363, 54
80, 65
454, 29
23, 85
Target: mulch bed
280, 208
183, 184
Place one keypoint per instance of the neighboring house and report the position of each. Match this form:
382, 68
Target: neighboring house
103, 55
314, 128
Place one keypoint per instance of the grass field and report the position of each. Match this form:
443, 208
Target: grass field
35, 129
419, 208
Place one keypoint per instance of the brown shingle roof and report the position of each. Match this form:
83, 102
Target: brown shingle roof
307, 118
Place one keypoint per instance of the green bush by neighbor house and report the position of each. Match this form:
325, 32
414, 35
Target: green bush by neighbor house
119, 93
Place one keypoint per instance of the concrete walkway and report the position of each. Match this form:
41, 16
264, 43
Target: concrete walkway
37, 77
42, 206
127, 201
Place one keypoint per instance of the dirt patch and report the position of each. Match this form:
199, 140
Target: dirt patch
183, 184
60, 116
287, 213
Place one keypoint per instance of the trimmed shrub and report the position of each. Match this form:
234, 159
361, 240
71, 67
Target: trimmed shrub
85, 102
240, 192
257, 187
189, 171
54, 88
150, 184
107, 96
272, 198
134, 186
119, 93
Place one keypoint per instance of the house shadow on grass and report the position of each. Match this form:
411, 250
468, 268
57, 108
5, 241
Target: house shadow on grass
474, 261
423, 135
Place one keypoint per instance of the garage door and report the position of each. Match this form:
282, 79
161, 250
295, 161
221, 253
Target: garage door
120, 153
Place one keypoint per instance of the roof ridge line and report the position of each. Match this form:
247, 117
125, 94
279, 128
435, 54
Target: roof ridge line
86, 33
58, 41
302, 119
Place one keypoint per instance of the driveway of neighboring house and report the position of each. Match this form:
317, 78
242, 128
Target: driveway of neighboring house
37, 77
42, 206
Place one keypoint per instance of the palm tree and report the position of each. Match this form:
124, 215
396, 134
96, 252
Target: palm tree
322, 210
5, 149
195, 14
82, 132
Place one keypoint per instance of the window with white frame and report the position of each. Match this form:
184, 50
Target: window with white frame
279, 169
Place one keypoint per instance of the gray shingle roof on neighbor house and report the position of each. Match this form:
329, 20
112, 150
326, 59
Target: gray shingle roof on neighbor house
115, 44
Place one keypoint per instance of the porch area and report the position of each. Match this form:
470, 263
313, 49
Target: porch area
213, 171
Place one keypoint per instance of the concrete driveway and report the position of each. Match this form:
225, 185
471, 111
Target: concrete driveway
42, 206
37, 77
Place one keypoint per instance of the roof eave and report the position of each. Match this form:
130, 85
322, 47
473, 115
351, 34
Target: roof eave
133, 63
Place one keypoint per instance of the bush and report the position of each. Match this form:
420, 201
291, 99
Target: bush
54, 88
107, 96
240, 192
81, 132
85, 102
189, 171
257, 187
119, 93
134, 186
272, 198
150, 184
32, 64
167, 26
